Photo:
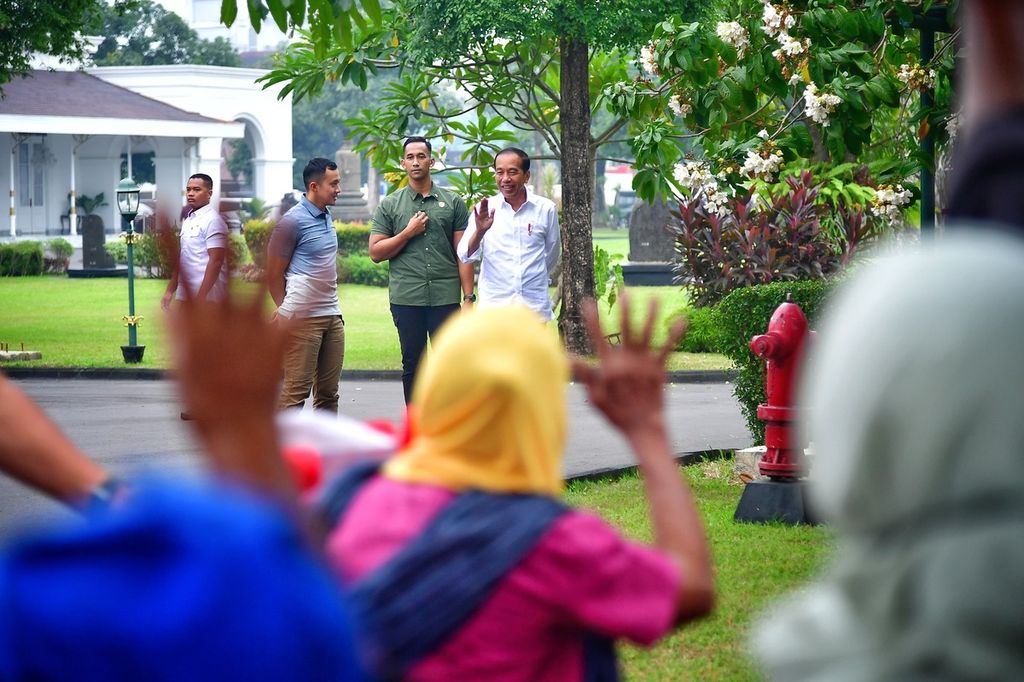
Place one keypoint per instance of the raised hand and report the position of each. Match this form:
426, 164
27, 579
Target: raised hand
483, 216
627, 383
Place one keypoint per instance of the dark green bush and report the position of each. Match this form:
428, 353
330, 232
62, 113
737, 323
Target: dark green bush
743, 314
21, 259
701, 331
257, 236
353, 239
361, 270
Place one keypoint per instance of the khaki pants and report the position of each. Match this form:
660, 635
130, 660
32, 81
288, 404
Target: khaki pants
313, 360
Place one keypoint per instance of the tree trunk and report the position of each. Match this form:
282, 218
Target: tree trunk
600, 205
577, 193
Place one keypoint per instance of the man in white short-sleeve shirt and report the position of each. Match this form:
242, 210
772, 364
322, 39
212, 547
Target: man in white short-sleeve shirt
204, 242
516, 236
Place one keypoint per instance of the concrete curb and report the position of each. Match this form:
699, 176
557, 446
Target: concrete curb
683, 458
136, 373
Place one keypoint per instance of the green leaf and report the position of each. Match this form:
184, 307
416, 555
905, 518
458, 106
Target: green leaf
228, 12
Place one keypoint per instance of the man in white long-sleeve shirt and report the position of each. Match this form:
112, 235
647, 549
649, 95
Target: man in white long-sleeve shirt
515, 236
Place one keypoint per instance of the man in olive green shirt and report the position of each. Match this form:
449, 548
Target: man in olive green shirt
418, 229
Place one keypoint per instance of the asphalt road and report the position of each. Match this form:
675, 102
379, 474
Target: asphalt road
133, 425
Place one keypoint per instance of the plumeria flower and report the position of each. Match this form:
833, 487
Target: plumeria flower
818, 107
732, 33
649, 60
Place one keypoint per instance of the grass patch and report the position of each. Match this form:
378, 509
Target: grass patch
754, 565
78, 323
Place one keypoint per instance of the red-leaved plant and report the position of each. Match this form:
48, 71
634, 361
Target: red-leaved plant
758, 242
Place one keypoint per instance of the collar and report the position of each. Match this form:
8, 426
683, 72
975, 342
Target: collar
529, 198
201, 211
312, 208
434, 191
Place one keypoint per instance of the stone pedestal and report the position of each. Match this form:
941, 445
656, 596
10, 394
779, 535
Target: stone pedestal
94, 256
649, 239
350, 206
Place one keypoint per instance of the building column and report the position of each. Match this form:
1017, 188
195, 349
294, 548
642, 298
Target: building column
76, 142
16, 140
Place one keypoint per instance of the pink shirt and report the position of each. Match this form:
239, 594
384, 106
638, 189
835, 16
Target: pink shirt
581, 576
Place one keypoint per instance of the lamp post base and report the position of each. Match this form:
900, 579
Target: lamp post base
764, 501
133, 354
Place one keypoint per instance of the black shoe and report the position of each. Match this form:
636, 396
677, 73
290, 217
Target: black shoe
185, 417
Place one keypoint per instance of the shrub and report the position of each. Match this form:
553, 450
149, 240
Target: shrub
701, 331
118, 250
146, 254
257, 236
745, 313
58, 255
20, 259
239, 253
353, 239
765, 240
358, 269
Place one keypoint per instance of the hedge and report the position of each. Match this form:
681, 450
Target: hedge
359, 269
19, 259
743, 314
353, 238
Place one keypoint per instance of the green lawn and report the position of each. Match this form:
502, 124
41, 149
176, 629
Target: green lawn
754, 564
615, 242
78, 323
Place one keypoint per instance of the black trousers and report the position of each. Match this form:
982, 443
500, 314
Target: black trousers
415, 323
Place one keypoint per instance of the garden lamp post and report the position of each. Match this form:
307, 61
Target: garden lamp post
128, 205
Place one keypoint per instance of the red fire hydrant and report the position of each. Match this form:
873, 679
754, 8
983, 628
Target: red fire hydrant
783, 348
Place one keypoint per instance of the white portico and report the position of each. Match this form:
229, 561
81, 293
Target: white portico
69, 134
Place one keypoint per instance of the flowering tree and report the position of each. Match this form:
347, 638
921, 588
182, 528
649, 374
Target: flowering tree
771, 89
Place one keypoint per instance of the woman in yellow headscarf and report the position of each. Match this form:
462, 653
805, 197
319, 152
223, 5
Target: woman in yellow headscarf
461, 559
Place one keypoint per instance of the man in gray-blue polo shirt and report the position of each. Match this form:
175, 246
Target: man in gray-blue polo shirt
302, 277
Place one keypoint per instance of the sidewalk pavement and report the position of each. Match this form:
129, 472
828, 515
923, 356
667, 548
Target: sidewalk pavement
130, 425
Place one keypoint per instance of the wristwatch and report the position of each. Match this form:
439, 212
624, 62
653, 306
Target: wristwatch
470, 297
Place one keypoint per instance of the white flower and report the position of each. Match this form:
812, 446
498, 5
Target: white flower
762, 165
648, 59
914, 76
795, 79
889, 202
790, 46
775, 21
731, 33
696, 176
677, 105
763, 134
818, 107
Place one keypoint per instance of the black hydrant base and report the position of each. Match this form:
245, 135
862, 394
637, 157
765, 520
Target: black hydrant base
765, 501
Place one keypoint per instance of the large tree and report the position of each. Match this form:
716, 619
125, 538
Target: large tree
528, 66
143, 33
45, 27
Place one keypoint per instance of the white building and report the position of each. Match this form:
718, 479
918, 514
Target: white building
67, 133
203, 16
